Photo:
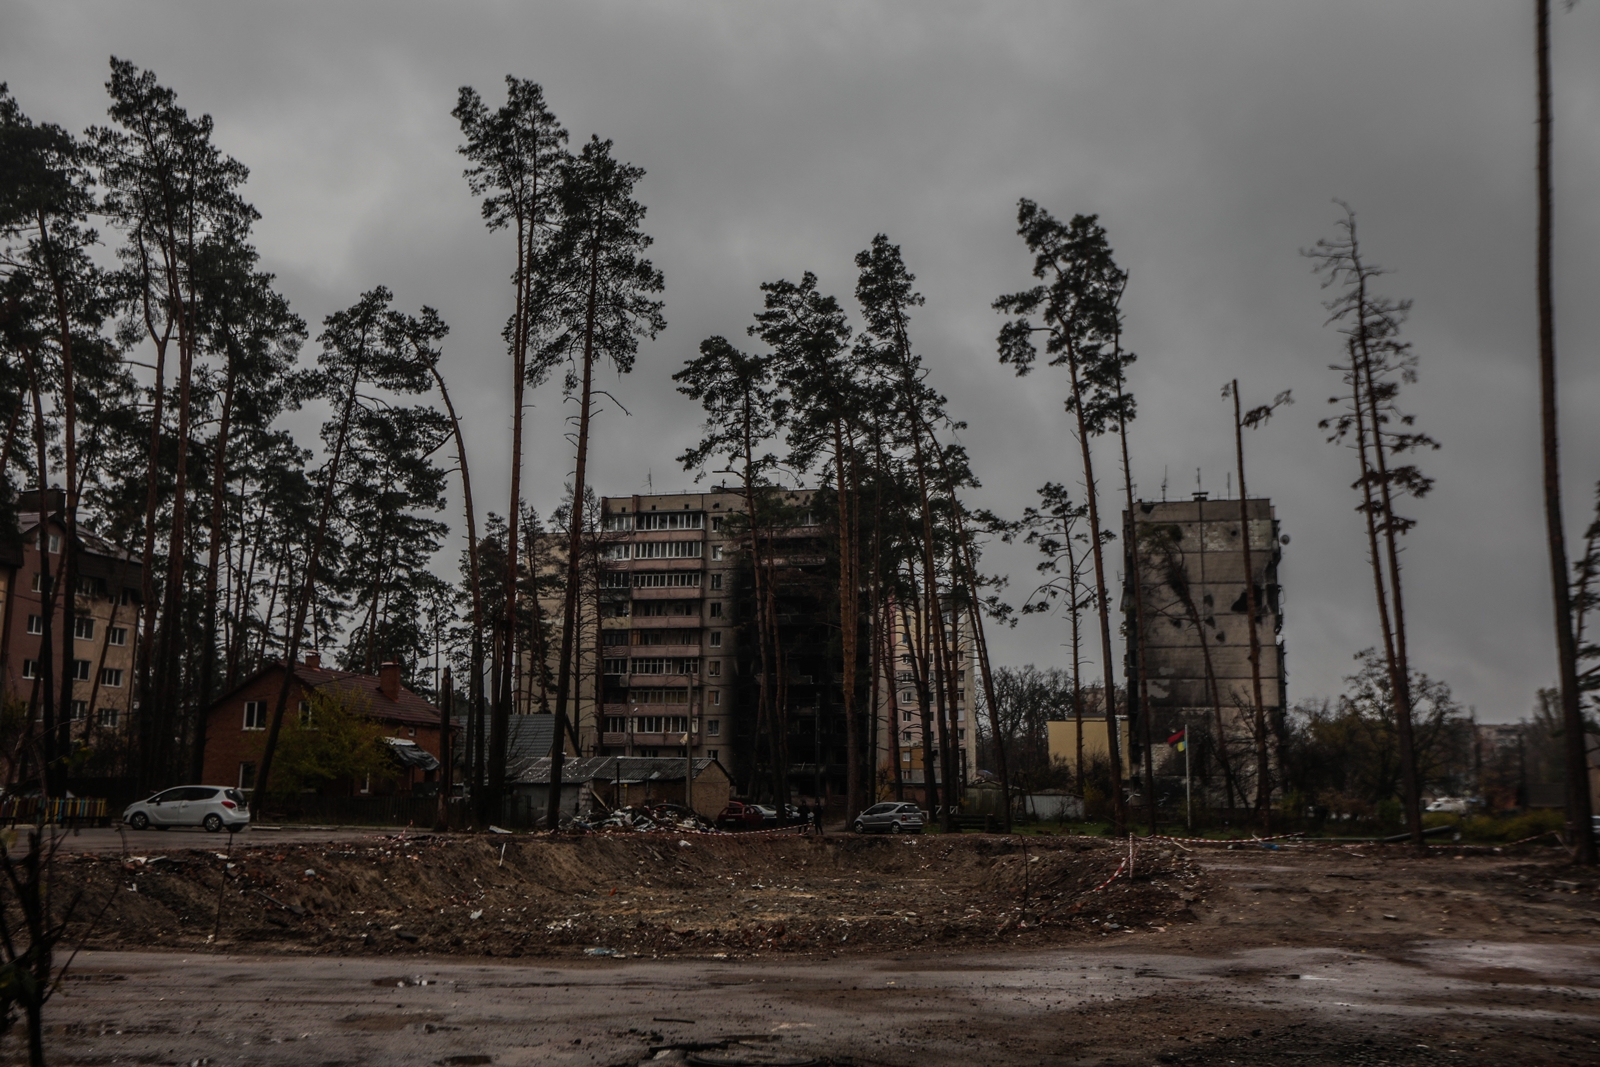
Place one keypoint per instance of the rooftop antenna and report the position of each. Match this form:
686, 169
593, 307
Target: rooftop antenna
1228, 483
1163, 483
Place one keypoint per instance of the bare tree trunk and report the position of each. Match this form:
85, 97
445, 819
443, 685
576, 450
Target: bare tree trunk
69, 518
849, 625
569, 616
43, 690
209, 652
1580, 822
1119, 806
1137, 633
1263, 767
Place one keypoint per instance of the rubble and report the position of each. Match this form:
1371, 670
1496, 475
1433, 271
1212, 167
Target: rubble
665, 817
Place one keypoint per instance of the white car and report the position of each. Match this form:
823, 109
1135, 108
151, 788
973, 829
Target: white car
211, 806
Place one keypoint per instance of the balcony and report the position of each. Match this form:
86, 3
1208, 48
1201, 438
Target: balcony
668, 592
671, 651
662, 681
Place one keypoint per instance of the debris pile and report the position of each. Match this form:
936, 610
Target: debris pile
668, 817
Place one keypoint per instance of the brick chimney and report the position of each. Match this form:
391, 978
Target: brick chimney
314, 659
389, 680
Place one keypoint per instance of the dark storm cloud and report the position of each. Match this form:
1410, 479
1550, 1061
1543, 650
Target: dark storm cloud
1209, 137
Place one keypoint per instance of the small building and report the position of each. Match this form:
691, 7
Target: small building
238, 721
614, 782
1062, 738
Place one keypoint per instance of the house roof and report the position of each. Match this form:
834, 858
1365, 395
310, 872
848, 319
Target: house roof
28, 521
626, 769
408, 707
528, 736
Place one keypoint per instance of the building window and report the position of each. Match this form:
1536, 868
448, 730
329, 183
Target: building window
247, 776
716, 639
906, 737
665, 549
83, 629
712, 753
614, 552
716, 523
55, 543
660, 696
30, 668
716, 581
716, 609
909, 716
305, 716
117, 635
41, 584
615, 666
716, 551
716, 698
616, 724
255, 714
905, 757
713, 727
658, 579
36, 624
80, 671
110, 677
673, 520
714, 669
617, 522
907, 696
649, 724
961, 735
613, 637
80, 709
108, 717
411, 731
666, 665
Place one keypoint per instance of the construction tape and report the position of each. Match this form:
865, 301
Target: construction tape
1120, 868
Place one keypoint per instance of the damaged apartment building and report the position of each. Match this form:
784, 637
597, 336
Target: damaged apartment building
1194, 614
668, 653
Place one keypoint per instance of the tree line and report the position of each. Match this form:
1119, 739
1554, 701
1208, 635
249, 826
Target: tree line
150, 371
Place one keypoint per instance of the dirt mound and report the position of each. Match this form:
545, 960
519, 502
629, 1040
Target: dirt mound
634, 894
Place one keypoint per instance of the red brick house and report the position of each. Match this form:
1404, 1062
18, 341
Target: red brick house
236, 725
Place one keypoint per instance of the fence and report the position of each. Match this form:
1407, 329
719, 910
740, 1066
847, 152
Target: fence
64, 811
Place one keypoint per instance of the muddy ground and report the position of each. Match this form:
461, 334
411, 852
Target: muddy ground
852, 950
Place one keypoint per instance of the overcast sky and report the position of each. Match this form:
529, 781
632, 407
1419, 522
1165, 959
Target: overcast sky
1210, 138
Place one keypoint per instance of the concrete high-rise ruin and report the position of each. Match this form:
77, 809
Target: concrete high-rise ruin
1194, 616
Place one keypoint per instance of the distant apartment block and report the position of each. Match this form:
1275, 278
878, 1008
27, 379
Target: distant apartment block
105, 625
1194, 617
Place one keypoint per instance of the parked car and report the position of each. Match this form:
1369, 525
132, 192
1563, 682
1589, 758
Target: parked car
210, 806
740, 816
769, 814
894, 818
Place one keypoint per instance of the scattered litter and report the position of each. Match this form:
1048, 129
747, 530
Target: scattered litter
310, 873
601, 952
493, 829
1392, 918
684, 844
477, 914
407, 936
